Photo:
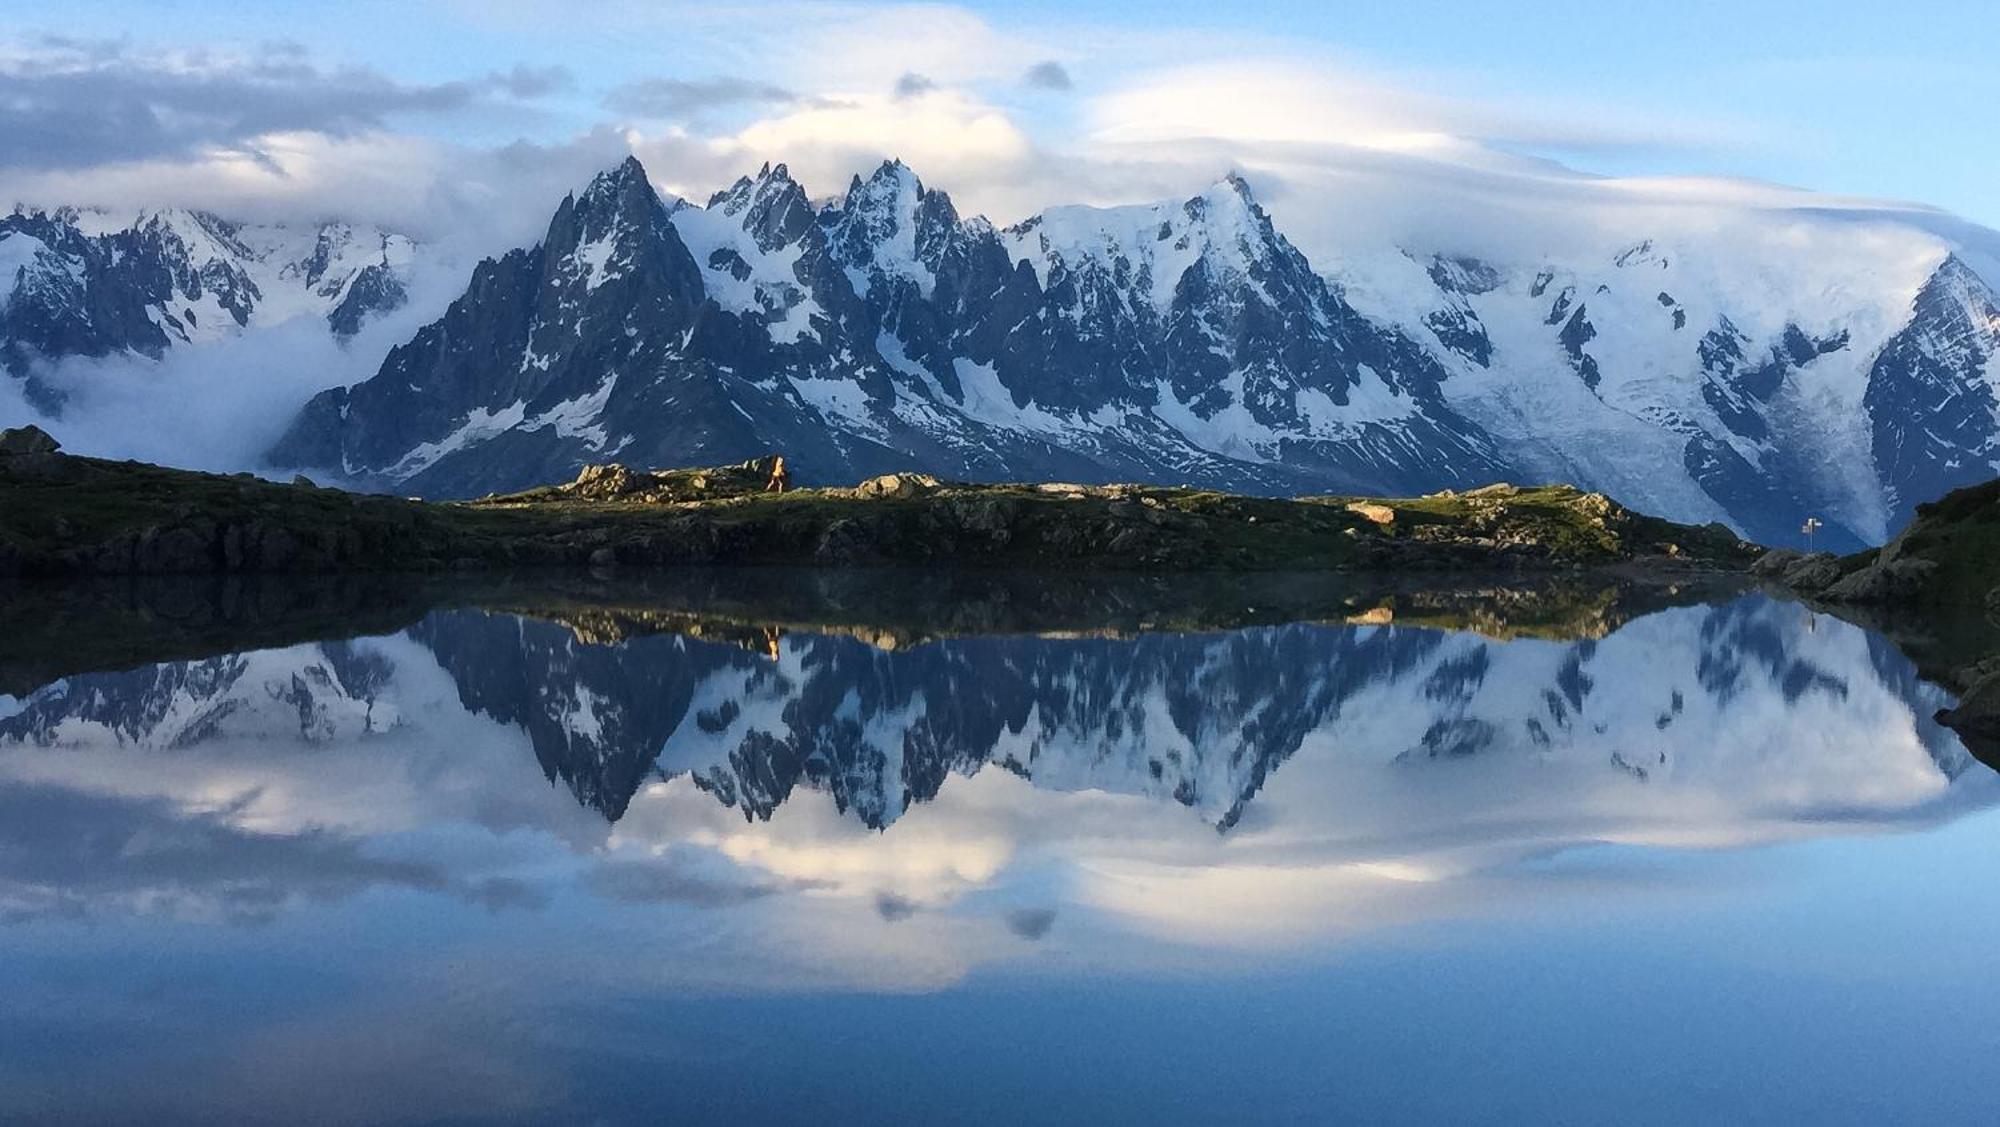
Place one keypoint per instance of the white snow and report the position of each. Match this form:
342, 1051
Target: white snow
593, 259
1231, 431
21, 255
772, 291
269, 259
480, 425
580, 417
1763, 271
1158, 242
841, 400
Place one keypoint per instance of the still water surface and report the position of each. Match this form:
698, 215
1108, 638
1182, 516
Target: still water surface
1715, 864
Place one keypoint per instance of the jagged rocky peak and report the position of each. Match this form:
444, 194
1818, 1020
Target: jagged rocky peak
890, 191
1964, 298
771, 206
333, 242
617, 230
891, 223
1232, 193
1934, 391
616, 200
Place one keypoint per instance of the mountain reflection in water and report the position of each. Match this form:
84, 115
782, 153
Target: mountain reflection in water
790, 809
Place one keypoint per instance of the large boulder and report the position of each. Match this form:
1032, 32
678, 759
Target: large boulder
604, 482
1813, 573
1977, 717
27, 440
1775, 562
897, 485
1893, 581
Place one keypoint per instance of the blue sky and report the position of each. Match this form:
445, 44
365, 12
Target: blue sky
1843, 96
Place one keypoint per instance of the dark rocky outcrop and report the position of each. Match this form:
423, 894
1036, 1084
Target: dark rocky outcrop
1942, 572
1977, 717
28, 440
1948, 555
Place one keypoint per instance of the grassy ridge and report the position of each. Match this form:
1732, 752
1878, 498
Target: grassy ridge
68, 515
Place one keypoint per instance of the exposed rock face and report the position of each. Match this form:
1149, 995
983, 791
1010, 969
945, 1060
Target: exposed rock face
1936, 423
897, 485
27, 440
1889, 581
1977, 717
1815, 572
615, 481
1949, 554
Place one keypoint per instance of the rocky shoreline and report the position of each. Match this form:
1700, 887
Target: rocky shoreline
1942, 570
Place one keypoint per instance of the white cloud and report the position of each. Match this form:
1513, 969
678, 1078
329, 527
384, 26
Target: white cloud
219, 406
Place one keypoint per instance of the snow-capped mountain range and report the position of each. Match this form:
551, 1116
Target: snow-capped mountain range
1185, 342
89, 284
1786, 363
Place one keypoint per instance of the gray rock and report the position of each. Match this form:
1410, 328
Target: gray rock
1896, 581
1774, 563
30, 439
1815, 572
897, 485
1978, 711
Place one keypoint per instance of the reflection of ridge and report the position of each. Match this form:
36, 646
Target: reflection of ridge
184, 703
596, 714
1198, 719
48, 632
1201, 720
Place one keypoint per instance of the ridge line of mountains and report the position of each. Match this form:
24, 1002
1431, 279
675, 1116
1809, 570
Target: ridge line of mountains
1183, 343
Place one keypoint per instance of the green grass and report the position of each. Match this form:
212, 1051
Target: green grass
1961, 534
49, 517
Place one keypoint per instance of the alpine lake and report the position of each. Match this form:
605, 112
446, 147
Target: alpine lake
774, 846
